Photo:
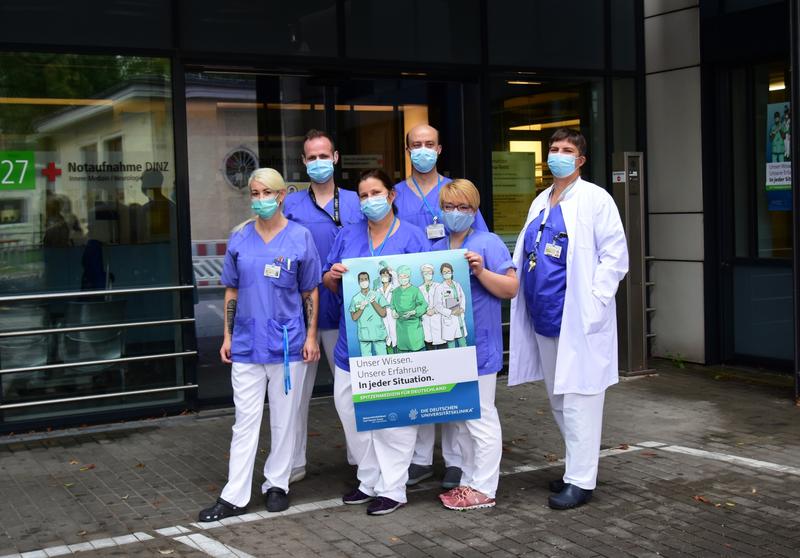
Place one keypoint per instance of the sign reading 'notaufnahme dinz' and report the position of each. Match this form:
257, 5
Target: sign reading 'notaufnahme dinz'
410, 338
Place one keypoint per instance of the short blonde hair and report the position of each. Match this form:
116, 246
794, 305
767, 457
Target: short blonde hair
270, 178
460, 188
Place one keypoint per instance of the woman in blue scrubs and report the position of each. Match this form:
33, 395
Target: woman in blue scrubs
271, 273
492, 279
382, 456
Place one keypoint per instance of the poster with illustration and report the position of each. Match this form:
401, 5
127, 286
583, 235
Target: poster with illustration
411, 339
779, 156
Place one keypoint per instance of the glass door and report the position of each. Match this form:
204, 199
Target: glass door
755, 134
525, 113
237, 123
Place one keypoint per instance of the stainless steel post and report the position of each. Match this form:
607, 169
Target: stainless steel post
632, 310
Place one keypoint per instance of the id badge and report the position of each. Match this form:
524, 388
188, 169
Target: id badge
553, 250
435, 231
273, 271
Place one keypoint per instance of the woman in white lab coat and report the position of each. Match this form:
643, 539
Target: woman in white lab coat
571, 256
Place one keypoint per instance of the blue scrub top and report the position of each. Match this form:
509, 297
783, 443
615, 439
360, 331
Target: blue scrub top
486, 306
544, 287
353, 242
266, 304
412, 209
301, 209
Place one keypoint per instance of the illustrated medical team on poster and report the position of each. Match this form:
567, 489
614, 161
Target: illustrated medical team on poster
311, 266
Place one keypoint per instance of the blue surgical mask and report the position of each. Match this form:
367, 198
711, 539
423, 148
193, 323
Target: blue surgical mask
320, 170
424, 159
457, 221
561, 164
375, 208
265, 208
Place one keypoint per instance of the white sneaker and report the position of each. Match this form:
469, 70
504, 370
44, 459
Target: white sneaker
297, 475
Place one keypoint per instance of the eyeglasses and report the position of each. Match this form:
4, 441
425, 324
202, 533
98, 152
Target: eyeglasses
463, 208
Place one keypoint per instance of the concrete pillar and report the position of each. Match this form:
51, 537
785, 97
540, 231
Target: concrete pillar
675, 185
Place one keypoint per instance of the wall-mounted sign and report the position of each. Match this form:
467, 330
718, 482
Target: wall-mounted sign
514, 187
17, 170
368, 161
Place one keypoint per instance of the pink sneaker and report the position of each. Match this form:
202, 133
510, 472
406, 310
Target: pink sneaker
452, 493
468, 499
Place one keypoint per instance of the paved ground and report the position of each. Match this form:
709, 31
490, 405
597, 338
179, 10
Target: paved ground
698, 463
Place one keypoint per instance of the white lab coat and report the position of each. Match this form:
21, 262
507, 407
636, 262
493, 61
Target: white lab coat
453, 327
597, 260
431, 325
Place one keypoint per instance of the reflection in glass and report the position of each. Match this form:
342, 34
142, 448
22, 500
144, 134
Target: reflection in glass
87, 184
773, 134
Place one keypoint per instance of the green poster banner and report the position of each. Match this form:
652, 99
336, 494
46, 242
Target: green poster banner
17, 170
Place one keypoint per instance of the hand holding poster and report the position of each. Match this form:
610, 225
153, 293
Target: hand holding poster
410, 337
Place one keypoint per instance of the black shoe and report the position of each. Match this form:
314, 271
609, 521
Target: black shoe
383, 506
418, 473
556, 485
356, 497
571, 497
220, 510
452, 478
276, 499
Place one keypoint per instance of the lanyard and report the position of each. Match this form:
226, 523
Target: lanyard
435, 214
463, 244
534, 254
377, 251
287, 377
337, 221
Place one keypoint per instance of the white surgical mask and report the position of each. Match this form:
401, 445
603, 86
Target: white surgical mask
363, 284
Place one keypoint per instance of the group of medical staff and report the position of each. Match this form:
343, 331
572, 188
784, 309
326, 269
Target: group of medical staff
283, 306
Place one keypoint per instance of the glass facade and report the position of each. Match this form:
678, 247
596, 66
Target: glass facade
122, 174
88, 230
760, 210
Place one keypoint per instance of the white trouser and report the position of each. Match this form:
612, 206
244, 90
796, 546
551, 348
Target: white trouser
327, 340
250, 383
481, 442
382, 456
580, 419
426, 439
359, 444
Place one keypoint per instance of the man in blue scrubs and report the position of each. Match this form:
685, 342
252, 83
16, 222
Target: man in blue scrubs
417, 202
418, 195
323, 209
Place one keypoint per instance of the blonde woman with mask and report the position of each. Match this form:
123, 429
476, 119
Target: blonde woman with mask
271, 273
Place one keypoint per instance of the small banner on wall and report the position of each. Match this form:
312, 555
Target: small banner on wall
778, 157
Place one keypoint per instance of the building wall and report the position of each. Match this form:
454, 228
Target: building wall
675, 186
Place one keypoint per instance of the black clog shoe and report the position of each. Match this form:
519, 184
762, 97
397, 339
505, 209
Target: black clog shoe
220, 510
